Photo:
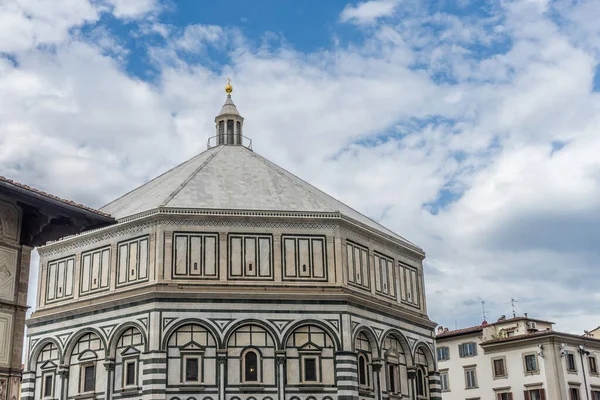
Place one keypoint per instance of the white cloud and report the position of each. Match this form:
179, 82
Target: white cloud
133, 8
368, 12
74, 123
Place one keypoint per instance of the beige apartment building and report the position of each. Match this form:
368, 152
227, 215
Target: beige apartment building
519, 358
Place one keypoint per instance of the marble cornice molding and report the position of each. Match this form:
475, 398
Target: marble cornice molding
268, 219
157, 293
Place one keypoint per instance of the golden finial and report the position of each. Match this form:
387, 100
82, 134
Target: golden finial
229, 88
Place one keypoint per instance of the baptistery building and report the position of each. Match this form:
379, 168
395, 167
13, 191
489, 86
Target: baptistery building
229, 278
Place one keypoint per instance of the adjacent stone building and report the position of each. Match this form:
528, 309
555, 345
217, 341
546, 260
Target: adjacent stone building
228, 278
28, 218
518, 358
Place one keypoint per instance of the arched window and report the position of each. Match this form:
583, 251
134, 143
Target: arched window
251, 366
420, 383
396, 370
194, 349
363, 347
47, 362
310, 350
238, 133
86, 353
363, 375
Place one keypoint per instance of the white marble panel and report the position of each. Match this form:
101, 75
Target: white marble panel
318, 256
210, 255
6, 324
8, 272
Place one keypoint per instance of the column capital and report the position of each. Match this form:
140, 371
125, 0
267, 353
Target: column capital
221, 356
280, 357
63, 371
109, 364
377, 364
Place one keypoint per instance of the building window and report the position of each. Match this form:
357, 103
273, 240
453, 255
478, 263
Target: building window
470, 378
421, 383
571, 362
499, 367
310, 369
530, 361
443, 353
132, 261
130, 370
48, 385
363, 375
251, 364
595, 394
444, 381
535, 394
593, 365
191, 368
88, 378
467, 349
229, 131
393, 378
574, 394
504, 396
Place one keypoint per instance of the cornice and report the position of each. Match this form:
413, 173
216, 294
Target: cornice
162, 292
167, 216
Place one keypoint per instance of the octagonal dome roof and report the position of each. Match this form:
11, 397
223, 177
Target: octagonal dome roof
234, 178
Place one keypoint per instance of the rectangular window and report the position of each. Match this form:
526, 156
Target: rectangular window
499, 368
443, 353
130, 373
48, 383
470, 378
59, 279
132, 261
504, 396
595, 394
358, 265
571, 362
385, 276
574, 394
310, 369
531, 363
535, 394
593, 365
467, 349
89, 378
95, 270
392, 377
250, 257
191, 369
195, 255
444, 381
304, 257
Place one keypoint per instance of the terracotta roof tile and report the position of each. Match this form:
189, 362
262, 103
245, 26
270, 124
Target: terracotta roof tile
539, 334
51, 196
462, 331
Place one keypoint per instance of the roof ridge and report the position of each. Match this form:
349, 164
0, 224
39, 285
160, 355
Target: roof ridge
155, 178
309, 187
189, 178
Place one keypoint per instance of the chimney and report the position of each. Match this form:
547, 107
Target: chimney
525, 315
502, 318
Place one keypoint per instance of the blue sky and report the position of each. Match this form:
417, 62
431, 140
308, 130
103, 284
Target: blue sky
472, 125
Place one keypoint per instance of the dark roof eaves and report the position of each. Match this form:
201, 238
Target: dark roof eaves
453, 334
55, 200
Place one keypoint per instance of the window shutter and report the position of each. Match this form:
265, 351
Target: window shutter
526, 395
510, 396
474, 348
543, 394
461, 350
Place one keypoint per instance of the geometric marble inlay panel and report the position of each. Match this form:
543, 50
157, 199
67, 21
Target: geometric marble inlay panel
8, 272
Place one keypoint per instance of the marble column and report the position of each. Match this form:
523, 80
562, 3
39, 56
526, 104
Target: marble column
222, 362
412, 380
63, 381
280, 362
109, 364
346, 375
377, 364
435, 386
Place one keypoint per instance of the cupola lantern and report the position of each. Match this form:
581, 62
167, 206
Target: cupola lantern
229, 121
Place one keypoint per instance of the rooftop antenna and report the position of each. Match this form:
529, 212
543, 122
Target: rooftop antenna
512, 303
455, 324
483, 310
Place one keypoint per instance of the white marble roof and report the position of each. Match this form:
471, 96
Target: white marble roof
233, 178
229, 107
